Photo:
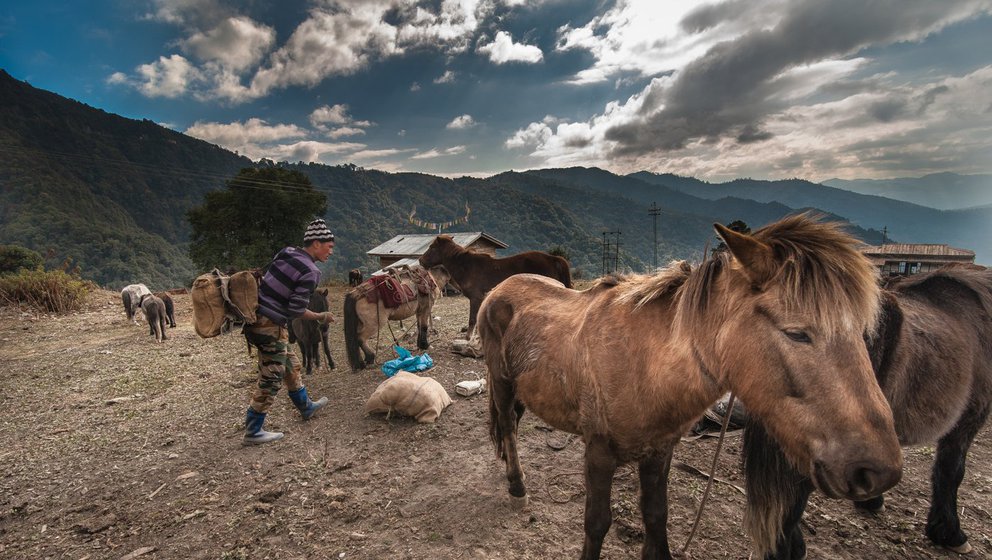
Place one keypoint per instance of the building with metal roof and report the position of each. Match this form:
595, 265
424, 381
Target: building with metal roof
410, 246
900, 259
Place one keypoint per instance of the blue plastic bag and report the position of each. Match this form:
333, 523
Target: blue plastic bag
407, 362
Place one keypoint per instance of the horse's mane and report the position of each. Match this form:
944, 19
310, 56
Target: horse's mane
640, 289
822, 273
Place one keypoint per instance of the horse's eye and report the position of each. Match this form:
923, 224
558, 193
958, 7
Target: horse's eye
798, 335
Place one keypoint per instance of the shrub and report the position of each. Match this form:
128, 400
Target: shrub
53, 291
14, 258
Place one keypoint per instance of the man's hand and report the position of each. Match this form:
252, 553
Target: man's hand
325, 317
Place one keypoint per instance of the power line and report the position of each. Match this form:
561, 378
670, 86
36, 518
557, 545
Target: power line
261, 184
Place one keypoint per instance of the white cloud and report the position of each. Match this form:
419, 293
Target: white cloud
461, 121
503, 50
375, 154
445, 78
343, 131
187, 12
237, 43
309, 150
167, 77
329, 43
236, 134
337, 114
435, 153
642, 37
117, 78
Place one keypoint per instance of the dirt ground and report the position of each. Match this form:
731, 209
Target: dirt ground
117, 447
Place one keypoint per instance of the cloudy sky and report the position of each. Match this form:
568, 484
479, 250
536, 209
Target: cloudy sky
717, 90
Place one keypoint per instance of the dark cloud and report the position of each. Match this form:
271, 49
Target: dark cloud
729, 88
930, 96
750, 134
887, 110
710, 15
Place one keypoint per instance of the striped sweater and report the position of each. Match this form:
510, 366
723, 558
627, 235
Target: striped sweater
285, 290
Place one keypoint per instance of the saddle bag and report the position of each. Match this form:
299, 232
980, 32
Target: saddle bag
218, 297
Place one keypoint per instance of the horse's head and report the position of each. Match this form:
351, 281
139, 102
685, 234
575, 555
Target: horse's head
439, 248
441, 278
784, 314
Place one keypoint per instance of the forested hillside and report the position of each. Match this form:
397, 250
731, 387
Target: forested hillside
111, 195
107, 192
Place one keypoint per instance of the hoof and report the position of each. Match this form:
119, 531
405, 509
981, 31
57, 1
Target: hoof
964, 548
518, 503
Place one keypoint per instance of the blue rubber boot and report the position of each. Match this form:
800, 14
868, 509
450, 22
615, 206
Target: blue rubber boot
306, 406
254, 434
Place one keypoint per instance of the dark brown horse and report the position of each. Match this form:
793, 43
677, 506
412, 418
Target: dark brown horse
309, 334
354, 277
631, 365
363, 318
475, 274
932, 356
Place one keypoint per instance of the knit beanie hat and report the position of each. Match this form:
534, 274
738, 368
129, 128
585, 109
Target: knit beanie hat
317, 231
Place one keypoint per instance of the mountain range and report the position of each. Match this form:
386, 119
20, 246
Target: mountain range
110, 195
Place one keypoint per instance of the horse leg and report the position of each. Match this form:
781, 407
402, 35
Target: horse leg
504, 415
311, 357
422, 342
653, 471
327, 347
369, 354
473, 312
943, 523
601, 464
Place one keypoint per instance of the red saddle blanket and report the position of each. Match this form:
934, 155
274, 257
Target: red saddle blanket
391, 291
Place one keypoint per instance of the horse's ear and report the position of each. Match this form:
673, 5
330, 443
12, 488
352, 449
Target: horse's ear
323, 291
756, 258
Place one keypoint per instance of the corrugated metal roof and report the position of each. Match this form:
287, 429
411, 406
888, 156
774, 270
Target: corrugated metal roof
397, 264
916, 249
416, 244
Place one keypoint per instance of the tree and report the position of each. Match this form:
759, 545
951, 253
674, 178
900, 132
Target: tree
14, 258
560, 251
737, 225
260, 212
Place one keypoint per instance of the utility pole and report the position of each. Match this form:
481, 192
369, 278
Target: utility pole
654, 212
611, 258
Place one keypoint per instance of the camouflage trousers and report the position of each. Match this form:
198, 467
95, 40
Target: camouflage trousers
277, 364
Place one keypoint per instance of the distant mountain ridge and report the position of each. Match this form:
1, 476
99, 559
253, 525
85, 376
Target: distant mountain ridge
906, 222
112, 193
943, 191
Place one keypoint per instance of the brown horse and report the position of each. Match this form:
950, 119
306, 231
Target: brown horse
630, 365
363, 319
475, 274
354, 277
932, 356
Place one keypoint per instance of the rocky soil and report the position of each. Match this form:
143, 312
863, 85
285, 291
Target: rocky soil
117, 447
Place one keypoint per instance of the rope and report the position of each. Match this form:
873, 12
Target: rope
709, 481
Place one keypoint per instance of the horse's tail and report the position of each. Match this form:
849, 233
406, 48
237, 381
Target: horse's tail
351, 325
775, 490
497, 372
126, 300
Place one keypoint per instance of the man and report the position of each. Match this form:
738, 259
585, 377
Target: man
283, 295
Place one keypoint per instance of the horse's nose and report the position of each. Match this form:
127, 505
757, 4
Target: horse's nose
867, 479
